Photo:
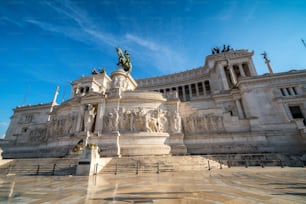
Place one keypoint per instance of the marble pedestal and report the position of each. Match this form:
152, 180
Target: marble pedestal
144, 143
132, 144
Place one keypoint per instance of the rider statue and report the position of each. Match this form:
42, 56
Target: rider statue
124, 60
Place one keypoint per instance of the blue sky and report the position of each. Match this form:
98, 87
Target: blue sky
48, 43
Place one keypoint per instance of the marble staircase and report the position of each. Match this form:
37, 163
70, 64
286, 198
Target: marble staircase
151, 164
40, 166
261, 159
159, 164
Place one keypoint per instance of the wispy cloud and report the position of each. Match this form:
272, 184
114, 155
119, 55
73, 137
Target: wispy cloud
10, 20
142, 42
5, 124
100, 36
251, 12
79, 26
70, 10
227, 13
84, 30
161, 56
68, 31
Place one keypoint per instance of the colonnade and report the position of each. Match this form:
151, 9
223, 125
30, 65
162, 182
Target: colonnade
188, 91
232, 72
289, 91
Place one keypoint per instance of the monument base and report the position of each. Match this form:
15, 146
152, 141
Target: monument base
132, 144
144, 143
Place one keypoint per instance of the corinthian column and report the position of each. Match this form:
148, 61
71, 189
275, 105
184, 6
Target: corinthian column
80, 119
233, 75
223, 78
241, 70
99, 118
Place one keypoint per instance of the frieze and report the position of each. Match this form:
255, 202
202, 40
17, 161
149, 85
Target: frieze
62, 125
230, 55
202, 124
276, 79
142, 120
38, 135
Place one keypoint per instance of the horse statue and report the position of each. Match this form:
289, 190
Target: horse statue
124, 60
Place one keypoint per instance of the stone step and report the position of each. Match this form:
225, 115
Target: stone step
42, 166
159, 164
264, 159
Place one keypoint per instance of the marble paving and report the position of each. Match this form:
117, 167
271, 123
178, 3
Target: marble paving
233, 185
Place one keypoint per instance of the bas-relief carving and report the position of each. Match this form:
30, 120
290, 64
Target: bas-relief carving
203, 124
142, 120
89, 117
62, 125
175, 122
38, 135
122, 119
120, 82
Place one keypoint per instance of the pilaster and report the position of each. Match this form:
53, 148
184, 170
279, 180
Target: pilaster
99, 118
239, 109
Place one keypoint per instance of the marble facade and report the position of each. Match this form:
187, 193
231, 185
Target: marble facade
222, 107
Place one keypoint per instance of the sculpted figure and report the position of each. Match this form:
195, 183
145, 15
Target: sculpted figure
224, 48
162, 121
132, 121
89, 117
124, 60
151, 124
189, 124
122, 119
147, 122
264, 54
176, 122
110, 121
139, 120
94, 71
116, 120
217, 50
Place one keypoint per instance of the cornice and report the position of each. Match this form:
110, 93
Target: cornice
174, 80
230, 55
32, 107
274, 79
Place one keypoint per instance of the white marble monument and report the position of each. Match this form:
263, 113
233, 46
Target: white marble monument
222, 107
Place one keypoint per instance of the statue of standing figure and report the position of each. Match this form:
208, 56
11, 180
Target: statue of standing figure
176, 122
89, 118
124, 60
